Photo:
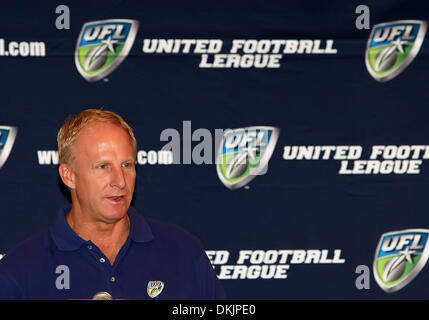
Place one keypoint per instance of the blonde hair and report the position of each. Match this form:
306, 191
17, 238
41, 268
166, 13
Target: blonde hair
68, 133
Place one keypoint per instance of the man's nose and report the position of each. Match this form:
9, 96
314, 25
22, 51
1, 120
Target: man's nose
118, 178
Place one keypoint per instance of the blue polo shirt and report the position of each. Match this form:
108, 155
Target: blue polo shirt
158, 261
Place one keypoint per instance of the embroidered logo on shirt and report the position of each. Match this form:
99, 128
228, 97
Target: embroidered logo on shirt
154, 288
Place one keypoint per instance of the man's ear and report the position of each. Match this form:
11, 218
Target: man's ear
67, 175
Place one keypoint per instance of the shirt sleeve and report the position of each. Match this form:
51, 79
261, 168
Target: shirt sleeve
211, 286
9, 289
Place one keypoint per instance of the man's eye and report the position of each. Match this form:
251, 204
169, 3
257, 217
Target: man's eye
102, 166
126, 165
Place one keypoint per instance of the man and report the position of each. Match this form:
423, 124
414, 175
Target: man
100, 247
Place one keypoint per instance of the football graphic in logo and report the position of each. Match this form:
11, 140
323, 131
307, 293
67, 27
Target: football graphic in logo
392, 46
244, 153
399, 258
103, 45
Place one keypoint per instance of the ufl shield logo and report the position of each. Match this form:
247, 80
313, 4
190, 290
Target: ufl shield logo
392, 46
103, 45
154, 288
399, 258
7, 138
244, 153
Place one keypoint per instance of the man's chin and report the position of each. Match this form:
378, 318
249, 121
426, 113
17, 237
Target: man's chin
115, 213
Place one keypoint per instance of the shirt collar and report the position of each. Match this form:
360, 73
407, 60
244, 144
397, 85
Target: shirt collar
140, 230
67, 240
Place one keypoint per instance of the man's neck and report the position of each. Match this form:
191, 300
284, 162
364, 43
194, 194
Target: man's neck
108, 236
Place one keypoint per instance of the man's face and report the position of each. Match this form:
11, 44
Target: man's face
104, 171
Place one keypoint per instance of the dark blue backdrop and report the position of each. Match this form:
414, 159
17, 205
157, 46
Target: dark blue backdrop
313, 100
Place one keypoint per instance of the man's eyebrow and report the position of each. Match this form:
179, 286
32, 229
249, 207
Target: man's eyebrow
97, 162
102, 160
